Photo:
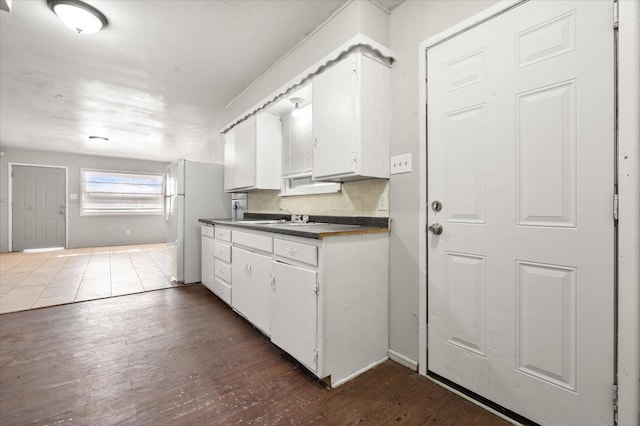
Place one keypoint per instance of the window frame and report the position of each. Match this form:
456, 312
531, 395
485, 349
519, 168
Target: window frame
85, 211
288, 186
318, 187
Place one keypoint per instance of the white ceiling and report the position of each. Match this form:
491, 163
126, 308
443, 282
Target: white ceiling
154, 82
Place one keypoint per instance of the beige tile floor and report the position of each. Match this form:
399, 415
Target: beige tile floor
47, 278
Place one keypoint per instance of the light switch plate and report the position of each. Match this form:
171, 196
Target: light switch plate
401, 164
383, 202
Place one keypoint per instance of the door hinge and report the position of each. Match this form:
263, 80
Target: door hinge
316, 288
315, 358
616, 207
354, 158
615, 404
616, 14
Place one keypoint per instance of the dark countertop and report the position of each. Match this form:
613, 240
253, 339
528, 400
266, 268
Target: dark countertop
317, 228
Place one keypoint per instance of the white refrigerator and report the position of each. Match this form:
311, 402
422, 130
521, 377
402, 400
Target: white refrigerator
192, 191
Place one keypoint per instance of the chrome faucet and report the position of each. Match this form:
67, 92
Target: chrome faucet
295, 217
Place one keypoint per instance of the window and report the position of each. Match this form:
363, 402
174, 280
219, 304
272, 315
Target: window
105, 193
297, 136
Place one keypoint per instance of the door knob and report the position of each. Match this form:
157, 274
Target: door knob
435, 229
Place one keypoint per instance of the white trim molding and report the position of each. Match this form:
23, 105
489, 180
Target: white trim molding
629, 213
359, 41
403, 360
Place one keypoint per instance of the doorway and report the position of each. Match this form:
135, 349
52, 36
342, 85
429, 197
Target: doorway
38, 213
520, 183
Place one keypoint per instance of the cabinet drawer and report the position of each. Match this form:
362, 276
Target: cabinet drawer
223, 291
296, 251
223, 234
222, 270
206, 230
222, 251
259, 242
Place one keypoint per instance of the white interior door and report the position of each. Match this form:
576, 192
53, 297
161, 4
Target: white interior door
521, 156
39, 207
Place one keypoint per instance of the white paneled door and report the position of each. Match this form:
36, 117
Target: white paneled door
39, 207
521, 161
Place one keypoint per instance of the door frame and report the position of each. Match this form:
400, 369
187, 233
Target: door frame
10, 206
627, 175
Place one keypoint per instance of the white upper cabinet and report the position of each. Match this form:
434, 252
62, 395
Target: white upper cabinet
351, 114
252, 154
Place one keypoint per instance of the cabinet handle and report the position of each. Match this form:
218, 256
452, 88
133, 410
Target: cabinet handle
292, 251
315, 142
272, 281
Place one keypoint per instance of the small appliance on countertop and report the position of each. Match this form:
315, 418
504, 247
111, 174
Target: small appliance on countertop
238, 205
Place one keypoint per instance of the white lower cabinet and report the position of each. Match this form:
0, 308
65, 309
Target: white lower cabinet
207, 257
222, 290
329, 302
251, 287
221, 265
294, 312
323, 301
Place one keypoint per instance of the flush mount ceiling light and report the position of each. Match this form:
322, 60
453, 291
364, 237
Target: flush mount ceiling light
79, 16
296, 106
99, 140
296, 102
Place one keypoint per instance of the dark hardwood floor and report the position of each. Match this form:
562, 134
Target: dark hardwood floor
181, 356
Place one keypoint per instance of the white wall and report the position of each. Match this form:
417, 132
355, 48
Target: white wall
86, 231
411, 23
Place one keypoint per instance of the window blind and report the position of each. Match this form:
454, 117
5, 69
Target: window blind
298, 143
105, 192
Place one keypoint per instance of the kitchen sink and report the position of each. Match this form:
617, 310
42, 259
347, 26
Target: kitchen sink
288, 224
300, 223
276, 222
260, 222
317, 225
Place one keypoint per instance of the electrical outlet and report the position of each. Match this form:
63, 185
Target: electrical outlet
401, 164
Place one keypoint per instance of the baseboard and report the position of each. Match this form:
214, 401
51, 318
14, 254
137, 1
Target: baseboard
357, 373
402, 359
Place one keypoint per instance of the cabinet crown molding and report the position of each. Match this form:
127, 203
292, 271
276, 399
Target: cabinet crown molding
359, 42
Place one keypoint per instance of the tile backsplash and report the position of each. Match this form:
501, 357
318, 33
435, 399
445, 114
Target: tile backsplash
358, 198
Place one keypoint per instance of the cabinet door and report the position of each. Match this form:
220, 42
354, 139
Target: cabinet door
229, 160
207, 263
335, 119
244, 153
251, 287
294, 313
